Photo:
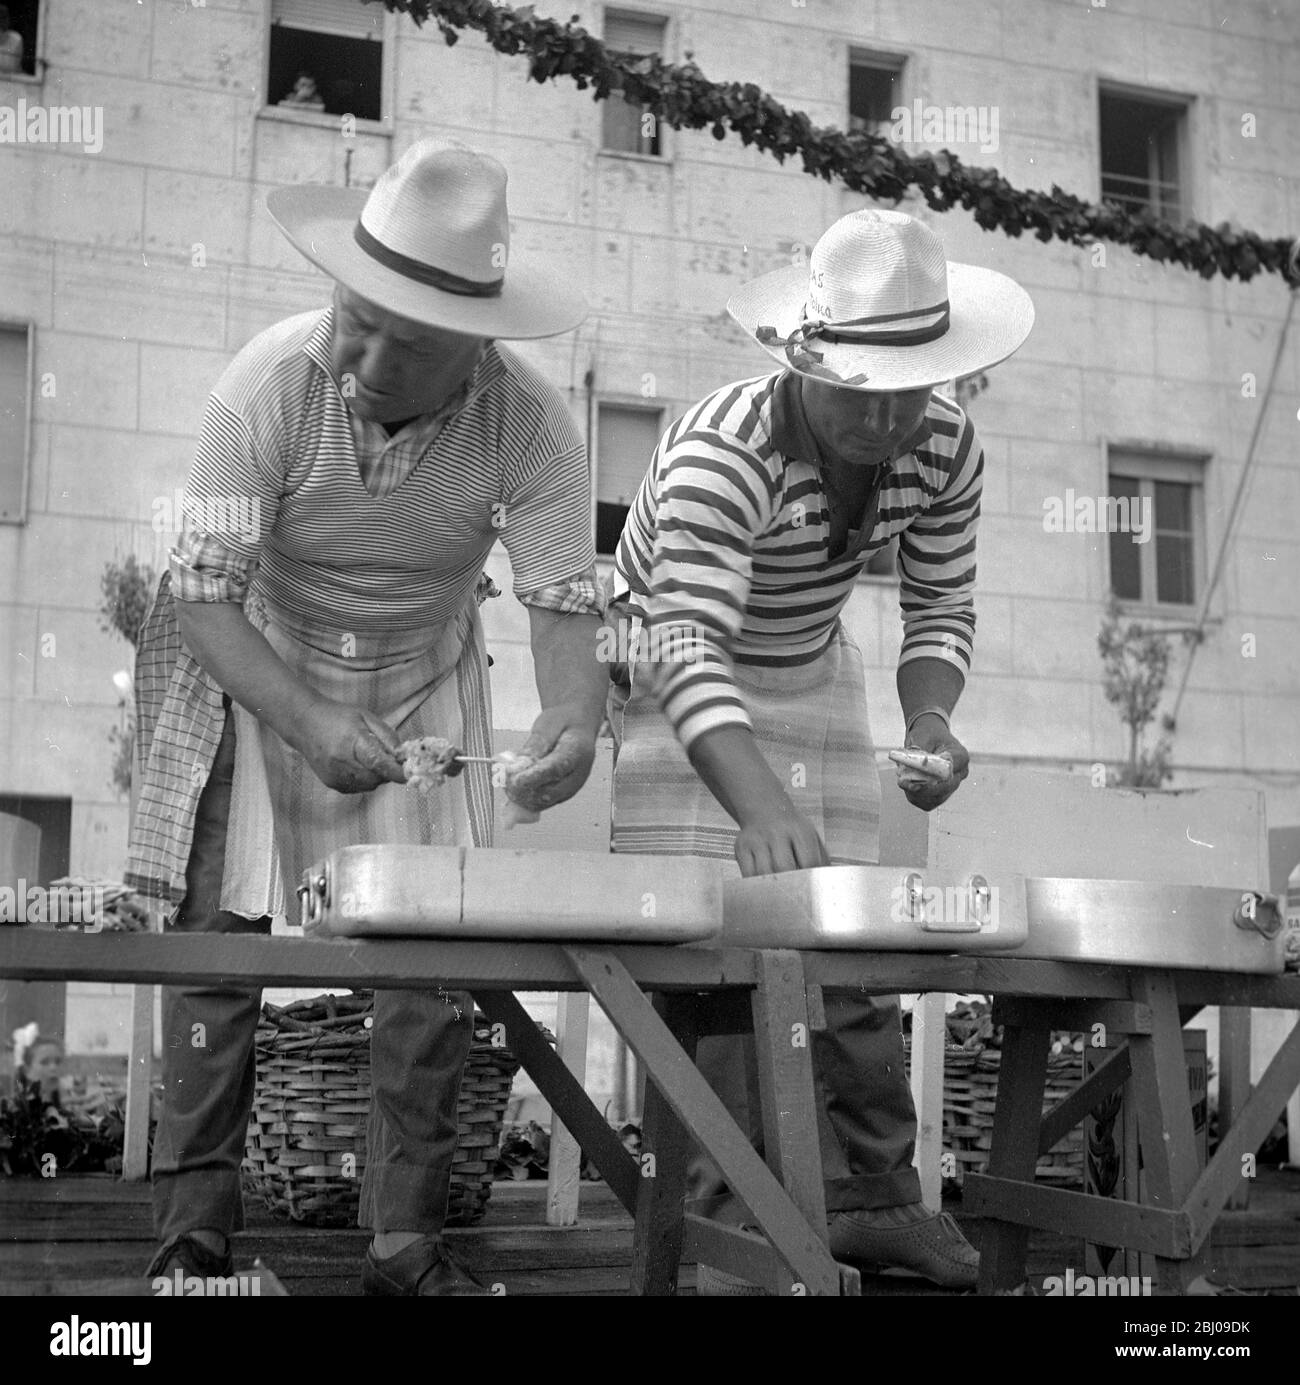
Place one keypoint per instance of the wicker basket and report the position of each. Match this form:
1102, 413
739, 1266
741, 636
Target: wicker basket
970, 1089
306, 1146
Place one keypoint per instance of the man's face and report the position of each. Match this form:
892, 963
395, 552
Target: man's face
390, 368
858, 427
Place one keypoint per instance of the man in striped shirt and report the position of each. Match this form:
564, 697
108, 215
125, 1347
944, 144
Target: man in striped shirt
744, 731
354, 469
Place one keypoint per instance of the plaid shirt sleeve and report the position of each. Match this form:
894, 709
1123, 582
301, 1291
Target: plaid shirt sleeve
581, 595
204, 568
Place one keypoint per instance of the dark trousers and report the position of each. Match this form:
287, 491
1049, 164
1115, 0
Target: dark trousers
419, 1044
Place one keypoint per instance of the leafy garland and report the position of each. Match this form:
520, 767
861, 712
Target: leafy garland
683, 97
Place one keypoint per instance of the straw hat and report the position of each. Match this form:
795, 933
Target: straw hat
879, 307
430, 242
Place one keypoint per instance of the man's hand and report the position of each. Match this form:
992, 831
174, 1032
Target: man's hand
563, 743
349, 750
777, 840
931, 735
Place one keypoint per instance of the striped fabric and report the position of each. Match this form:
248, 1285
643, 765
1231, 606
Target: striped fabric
810, 722
278, 518
726, 552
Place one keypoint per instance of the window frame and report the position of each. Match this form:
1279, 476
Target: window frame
666, 132
1148, 465
1187, 135
28, 327
618, 401
39, 64
894, 60
320, 119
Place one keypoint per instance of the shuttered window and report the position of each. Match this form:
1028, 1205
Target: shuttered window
626, 128
326, 56
626, 437
15, 411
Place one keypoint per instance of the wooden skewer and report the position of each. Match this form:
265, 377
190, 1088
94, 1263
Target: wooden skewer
474, 759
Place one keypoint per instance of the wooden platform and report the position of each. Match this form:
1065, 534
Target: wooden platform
94, 1234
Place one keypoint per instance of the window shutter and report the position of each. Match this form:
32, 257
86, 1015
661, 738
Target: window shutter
633, 33
347, 17
627, 441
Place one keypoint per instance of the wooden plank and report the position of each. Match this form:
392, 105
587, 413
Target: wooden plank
565, 1094
1253, 1123
1068, 1213
698, 1107
733, 1251
661, 1194
135, 1150
1079, 1016
1234, 1082
194, 959
929, 1039
1013, 1154
783, 1049
562, 1182
1070, 1110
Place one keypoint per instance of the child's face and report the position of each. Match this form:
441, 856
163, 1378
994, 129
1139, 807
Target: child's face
45, 1065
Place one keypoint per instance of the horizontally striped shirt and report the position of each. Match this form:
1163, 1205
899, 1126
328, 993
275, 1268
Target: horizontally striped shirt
276, 494
727, 545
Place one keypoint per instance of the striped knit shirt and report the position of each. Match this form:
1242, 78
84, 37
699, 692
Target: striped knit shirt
725, 555
282, 492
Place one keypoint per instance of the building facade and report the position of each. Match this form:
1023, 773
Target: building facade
137, 257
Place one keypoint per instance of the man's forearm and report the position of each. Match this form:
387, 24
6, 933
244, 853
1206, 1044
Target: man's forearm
928, 683
244, 665
565, 664
738, 776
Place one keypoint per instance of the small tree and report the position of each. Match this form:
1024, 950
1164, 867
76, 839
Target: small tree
1136, 665
127, 589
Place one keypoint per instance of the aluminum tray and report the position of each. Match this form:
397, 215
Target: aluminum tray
885, 908
1138, 923
458, 892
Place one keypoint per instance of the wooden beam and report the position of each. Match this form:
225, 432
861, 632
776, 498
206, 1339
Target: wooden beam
1243, 1137
1079, 1016
565, 1094
562, 1168
783, 1048
661, 1194
1013, 1155
205, 959
1083, 1215
1095, 1088
139, 1072
698, 1107
1234, 1084
737, 1252
929, 1038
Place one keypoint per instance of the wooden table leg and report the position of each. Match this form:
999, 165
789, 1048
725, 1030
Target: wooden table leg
1164, 1116
1234, 1082
1022, 1079
665, 1150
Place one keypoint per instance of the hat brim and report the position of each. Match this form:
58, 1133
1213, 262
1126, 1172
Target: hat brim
319, 222
990, 317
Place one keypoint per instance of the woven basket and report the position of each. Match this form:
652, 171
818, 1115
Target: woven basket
970, 1089
306, 1146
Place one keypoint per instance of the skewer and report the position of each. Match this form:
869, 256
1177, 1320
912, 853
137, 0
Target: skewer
474, 759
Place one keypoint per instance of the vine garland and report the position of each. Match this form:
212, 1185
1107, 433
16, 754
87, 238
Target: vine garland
682, 97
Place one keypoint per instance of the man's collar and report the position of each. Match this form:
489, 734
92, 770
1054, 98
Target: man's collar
792, 435
489, 369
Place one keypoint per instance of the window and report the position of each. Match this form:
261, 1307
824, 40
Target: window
15, 414
19, 54
1141, 138
875, 91
326, 56
626, 438
625, 128
1156, 538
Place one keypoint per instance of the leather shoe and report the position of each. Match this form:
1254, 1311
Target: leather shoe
913, 1238
183, 1252
424, 1268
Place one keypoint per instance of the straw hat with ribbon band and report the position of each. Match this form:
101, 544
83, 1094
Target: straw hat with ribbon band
430, 242
879, 307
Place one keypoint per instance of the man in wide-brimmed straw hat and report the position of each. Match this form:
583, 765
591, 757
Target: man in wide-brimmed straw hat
372, 453
759, 511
